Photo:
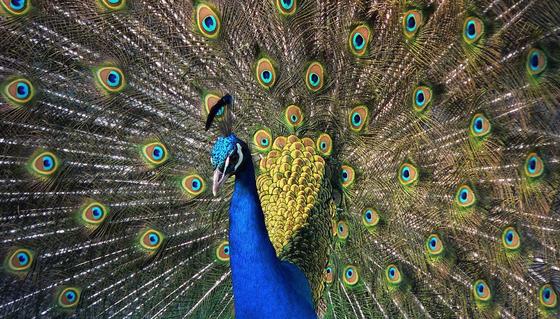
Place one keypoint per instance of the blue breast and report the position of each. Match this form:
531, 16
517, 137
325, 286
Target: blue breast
263, 286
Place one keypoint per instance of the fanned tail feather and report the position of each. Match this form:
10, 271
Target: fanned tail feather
436, 123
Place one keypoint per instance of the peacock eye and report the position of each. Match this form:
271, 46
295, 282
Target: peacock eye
223, 252
480, 126
482, 291
20, 260
151, 239
324, 144
408, 174
265, 73
293, 116
94, 213
359, 39
358, 118
19, 91
314, 76
434, 245
347, 176
412, 21
48, 162
44, 164
155, 153
193, 184
15, 7
548, 296
113, 4
511, 239
68, 297
97, 213
209, 101
370, 217
534, 165
473, 30
536, 62
350, 275
262, 139
465, 197
328, 275
111, 79
208, 22
286, 7
393, 275
342, 230
421, 98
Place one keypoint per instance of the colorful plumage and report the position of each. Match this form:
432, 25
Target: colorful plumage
391, 159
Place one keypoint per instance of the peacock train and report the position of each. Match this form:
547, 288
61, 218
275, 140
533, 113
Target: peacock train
280, 159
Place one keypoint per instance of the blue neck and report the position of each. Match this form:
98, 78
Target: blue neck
263, 286
252, 253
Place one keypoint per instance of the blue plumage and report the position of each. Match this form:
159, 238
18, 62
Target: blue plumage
263, 286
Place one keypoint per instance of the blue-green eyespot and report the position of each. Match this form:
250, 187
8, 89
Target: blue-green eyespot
534, 165
286, 7
421, 98
207, 21
113, 4
19, 260
151, 239
434, 245
408, 174
481, 291
473, 30
358, 118
393, 275
511, 239
548, 296
193, 184
412, 20
465, 197
111, 79
480, 126
536, 62
15, 7
223, 252
358, 40
265, 73
155, 153
350, 275
69, 297
44, 164
314, 77
18, 91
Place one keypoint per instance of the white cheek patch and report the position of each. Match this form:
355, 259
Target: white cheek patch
226, 166
240, 155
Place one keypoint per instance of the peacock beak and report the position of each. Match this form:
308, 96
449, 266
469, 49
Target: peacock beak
219, 178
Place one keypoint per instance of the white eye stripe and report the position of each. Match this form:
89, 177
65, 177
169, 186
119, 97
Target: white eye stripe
226, 166
240, 159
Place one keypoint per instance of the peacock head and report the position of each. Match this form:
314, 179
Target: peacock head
228, 156
229, 153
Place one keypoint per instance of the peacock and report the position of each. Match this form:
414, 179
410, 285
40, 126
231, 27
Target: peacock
280, 159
